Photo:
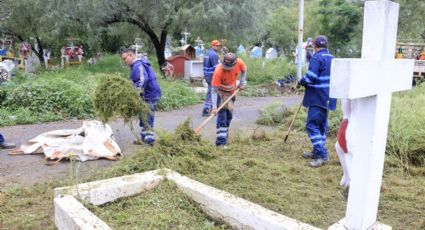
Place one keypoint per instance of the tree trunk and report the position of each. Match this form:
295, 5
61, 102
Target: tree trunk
159, 45
40, 52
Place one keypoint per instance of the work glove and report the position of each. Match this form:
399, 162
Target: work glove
214, 111
298, 84
242, 87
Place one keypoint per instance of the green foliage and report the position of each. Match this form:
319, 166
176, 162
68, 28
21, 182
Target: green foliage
25, 116
59, 94
115, 96
176, 94
411, 24
406, 133
338, 21
273, 114
261, 71
284, 36
110, 64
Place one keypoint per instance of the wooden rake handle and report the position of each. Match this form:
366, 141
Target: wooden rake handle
292, 122
199, 128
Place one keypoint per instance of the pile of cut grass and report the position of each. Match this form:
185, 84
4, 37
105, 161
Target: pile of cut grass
115, 96
164, 207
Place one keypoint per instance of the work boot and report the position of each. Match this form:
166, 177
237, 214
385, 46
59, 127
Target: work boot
308, 155
318, 162
222, 147
345, 192
6, 145
206, 112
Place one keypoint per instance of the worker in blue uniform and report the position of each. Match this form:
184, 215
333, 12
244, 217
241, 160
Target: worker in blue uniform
316, 99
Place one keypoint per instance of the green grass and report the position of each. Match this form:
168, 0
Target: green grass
261, 71
164, 207
407, 127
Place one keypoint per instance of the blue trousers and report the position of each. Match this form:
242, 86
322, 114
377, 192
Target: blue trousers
224, 117
208, 101
1, 139
147, 134
317, 128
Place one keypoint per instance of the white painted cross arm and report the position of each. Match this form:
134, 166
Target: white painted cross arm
358, 78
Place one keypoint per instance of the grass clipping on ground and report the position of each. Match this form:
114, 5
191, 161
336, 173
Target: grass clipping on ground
164, 207
115, 96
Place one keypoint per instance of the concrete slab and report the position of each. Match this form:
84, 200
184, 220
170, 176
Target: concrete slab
376, 226
235, 211
104, 191
71, 214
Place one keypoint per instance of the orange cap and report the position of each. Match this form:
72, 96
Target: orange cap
215, 43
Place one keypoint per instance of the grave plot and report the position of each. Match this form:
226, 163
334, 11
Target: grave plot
220, 206
163, 207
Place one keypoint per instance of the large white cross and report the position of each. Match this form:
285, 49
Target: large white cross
369, 83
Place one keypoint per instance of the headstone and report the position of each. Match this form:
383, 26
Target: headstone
241, 49
271, 54
369, 82
199, 48
46, 57
256, 52
167, 51
137, 47
186, 35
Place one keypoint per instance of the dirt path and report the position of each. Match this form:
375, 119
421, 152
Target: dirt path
30, 169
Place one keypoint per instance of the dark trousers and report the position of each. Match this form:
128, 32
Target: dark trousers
224, 117
208, 101
147, 134
317, 128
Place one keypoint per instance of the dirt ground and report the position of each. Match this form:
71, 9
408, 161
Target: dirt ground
30, 169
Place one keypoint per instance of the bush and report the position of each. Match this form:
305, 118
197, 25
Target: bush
176, 94
406, 133
261, 71
60, 96
273, 114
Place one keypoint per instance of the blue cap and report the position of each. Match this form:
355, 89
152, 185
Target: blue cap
321, 41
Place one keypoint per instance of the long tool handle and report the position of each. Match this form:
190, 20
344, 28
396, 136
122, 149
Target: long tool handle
199, 128
292, 122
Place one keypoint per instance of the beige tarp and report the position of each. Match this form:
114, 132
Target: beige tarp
91, 141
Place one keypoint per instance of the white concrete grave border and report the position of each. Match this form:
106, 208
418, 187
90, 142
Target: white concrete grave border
219, 205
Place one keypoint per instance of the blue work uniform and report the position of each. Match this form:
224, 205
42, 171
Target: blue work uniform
316, 98
144, 80
1, 139
210, 63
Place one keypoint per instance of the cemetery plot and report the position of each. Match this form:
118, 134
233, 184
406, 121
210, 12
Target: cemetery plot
164, 207
221, 206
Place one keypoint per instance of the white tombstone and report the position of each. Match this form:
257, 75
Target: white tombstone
271, 54
369, 83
